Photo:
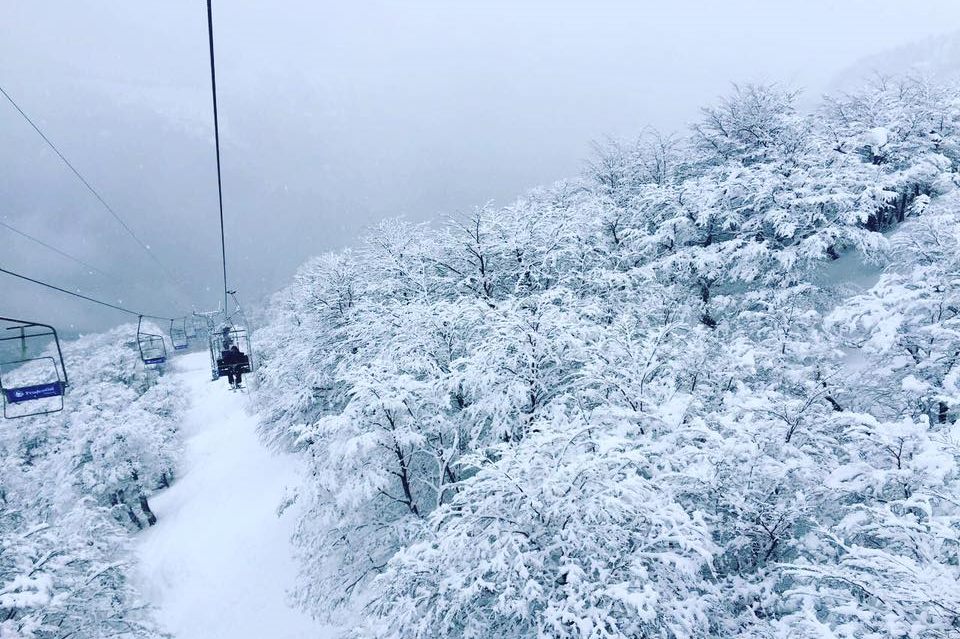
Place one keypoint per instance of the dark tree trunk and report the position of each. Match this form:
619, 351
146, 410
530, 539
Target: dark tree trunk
133, 518
145, 507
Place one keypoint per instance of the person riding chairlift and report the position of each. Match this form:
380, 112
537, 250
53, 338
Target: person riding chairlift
234, 360
225, 340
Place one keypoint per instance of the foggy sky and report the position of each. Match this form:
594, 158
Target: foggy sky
337, 114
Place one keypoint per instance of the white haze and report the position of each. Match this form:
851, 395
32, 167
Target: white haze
336, 115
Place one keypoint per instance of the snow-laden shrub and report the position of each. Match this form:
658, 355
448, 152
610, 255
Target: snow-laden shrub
564, 535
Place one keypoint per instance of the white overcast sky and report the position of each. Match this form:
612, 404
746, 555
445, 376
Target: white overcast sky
338, 114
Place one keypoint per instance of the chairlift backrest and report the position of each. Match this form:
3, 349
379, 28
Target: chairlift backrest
33, 376
202, 324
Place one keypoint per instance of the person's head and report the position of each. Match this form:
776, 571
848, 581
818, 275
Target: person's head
235, 348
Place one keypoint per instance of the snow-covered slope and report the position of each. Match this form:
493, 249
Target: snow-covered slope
218, 563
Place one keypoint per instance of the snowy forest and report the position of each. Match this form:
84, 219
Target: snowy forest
75, 485
708, 388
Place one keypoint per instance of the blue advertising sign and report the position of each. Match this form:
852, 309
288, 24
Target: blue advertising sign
37, 391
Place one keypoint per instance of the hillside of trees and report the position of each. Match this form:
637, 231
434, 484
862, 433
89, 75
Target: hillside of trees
75, 485
709, 388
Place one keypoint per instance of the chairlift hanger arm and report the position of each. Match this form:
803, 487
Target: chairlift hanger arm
23, 323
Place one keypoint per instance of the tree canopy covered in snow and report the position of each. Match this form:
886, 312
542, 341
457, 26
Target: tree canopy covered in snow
709, 388
73, 485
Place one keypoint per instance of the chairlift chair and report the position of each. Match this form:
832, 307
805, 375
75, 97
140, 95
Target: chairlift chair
153, 348
178, 334
220, 342
189, 328
202, 324
33, 377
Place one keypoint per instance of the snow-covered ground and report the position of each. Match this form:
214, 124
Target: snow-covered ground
218, 563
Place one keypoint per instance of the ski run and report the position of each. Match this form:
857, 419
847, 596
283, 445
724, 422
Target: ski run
218, 563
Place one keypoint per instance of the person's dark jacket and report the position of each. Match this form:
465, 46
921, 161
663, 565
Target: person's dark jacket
234, 357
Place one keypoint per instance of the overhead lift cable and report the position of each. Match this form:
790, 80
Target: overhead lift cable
216, 138
117, 281
226, 356
167, 273
55, 250
84, 297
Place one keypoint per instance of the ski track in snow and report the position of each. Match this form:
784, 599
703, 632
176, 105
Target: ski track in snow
219, 561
